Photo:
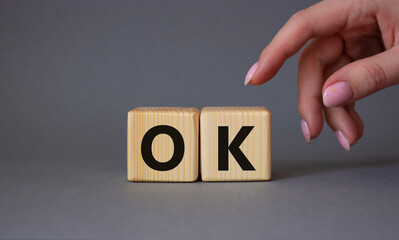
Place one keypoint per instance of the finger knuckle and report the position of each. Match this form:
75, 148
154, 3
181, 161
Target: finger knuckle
301, 21
300, 16
374, 75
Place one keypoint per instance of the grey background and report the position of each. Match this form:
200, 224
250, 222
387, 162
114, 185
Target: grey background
71, 70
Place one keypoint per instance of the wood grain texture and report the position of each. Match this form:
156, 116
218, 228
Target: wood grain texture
256, 146
185, 120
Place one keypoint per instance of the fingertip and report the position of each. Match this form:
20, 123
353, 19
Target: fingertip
347, 133
311, 117
357, 119
305, 130
337, 94
343, 125
343, 140
250, 73
268, 65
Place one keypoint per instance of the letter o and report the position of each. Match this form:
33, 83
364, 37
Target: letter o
146, 150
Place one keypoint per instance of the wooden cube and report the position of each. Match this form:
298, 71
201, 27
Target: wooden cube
235, 144
162, 144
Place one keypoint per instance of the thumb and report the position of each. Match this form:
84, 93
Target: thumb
362, 78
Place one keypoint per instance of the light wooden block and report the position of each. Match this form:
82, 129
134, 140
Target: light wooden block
254, 122
185, 121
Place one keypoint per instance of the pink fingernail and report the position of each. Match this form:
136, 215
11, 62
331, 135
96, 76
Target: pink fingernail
342, 140
305, 130
250, 73
337, 94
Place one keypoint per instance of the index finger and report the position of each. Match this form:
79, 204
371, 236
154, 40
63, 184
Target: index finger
320, 20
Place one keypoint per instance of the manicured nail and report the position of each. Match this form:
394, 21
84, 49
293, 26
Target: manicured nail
342, 140
337, 94
305, 130
250, 73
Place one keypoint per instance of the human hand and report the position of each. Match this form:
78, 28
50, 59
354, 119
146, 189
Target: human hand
354, 52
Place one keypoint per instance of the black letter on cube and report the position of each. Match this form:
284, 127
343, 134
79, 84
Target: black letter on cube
146, 150
234, 148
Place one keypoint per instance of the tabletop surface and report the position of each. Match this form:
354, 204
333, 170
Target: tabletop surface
91, 199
